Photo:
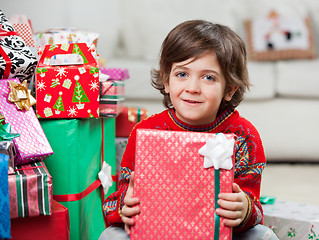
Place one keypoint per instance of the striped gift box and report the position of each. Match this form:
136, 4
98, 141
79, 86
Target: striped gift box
30, 190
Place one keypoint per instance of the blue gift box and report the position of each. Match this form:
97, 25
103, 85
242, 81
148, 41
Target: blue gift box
5, 224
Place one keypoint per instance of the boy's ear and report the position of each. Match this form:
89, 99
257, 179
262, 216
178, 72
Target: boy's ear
231, 91
166, 85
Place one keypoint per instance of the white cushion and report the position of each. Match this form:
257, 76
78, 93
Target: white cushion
299, 78
262, 78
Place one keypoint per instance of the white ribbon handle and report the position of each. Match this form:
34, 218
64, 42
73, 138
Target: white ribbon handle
218, 152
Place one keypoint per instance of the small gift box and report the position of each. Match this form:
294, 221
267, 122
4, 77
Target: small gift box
4, 198
65, 35
55, 226
112, 89
127, 119
16, 59
178, 176
291, 220
115, 73
32, 145
6, 144
67, 82
111, 108
30, 190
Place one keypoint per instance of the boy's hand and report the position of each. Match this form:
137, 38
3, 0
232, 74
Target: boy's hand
129, 209
233, 206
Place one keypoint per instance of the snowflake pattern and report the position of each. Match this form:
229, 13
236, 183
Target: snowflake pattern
94, 86
61, 72
72, 111
92, 47
40, 85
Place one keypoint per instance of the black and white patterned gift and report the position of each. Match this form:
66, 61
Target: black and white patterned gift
16, 59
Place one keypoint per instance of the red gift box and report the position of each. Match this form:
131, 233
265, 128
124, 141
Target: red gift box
177, 190
53, 227
67, 82
127, 119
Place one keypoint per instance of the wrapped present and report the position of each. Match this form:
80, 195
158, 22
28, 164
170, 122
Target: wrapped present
30, 190
178, 176
291, 220
22, 25
112, 89
53, 227
4, 198
65, 35
32, 145
115, 73
16, 59
126, 121
111, 108
75, 165
6, 144
67, 82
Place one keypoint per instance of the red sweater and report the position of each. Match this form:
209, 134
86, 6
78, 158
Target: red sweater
249, 161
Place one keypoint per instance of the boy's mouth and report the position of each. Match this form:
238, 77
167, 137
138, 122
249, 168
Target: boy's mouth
190, 101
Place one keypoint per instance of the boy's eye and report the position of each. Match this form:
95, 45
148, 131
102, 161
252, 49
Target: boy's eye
181, 74
209, 78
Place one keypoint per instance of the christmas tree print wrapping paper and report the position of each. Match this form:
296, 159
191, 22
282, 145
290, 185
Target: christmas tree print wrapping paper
176, 192
32, 145
67, 82
75, 165
291, 220
16, 59
4, 198
30, 190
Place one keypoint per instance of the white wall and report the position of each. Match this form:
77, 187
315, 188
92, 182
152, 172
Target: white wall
100, 16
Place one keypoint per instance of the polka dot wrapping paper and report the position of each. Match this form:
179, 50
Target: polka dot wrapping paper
32, 145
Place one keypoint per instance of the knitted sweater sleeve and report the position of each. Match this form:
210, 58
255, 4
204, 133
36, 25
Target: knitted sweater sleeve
250, 162
114, 203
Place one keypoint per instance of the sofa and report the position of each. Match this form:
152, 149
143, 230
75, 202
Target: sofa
283, 101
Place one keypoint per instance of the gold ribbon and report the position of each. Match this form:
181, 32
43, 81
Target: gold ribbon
20, 95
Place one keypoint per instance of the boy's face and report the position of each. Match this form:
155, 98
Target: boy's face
197, 88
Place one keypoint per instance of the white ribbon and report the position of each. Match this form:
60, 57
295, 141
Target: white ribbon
218, 152
105, 177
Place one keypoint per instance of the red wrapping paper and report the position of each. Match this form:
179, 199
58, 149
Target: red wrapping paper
176, 192
53, 227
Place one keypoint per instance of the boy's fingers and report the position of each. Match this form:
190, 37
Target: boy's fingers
130, 211
233, 215
236, 188
127, 229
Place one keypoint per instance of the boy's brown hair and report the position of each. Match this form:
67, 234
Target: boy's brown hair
193, 39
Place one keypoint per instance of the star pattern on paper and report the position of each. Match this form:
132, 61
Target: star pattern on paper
72, 111
61, 72
94, 86
40, 85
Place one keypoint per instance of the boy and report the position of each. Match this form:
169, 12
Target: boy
203, 77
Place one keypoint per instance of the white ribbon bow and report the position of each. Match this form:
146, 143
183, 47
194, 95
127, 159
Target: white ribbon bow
218, 152
105, 177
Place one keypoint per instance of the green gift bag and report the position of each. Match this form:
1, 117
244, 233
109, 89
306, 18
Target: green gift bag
74, 166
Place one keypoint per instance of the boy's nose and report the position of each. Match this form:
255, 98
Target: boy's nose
193, 85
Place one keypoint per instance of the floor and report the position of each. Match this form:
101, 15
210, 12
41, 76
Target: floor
292, 182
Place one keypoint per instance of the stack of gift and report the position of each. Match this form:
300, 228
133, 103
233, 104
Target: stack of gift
112, 91
30, 184
124, 124
290, 220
